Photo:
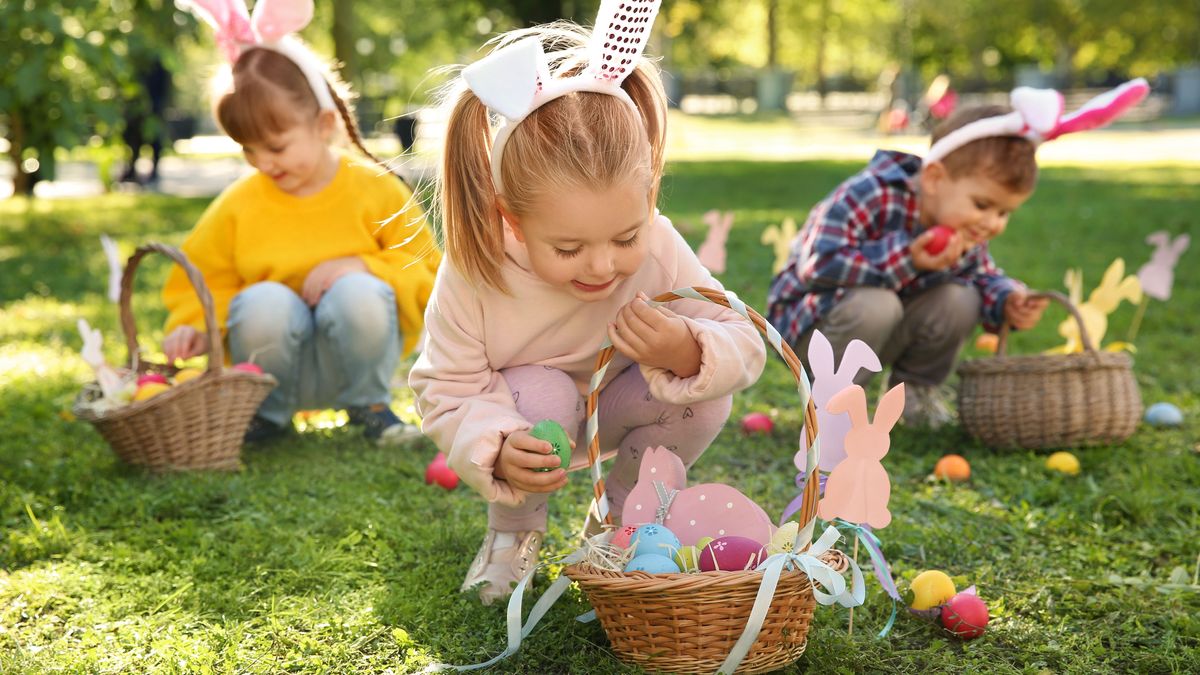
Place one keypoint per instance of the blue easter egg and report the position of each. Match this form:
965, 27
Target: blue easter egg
1164, 414
652, 563
656, 539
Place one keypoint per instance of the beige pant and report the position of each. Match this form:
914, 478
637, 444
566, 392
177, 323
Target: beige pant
919, 337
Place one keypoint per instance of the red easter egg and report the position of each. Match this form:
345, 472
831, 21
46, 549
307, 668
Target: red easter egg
941, 237
441, 473
965, 615
151, 377
247, 367
731, 553
757, 423
622, 536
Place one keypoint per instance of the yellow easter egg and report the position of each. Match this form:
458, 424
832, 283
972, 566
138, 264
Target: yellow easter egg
150, 390
1064, 462
187, 374
687, 558
784, 537
930, 589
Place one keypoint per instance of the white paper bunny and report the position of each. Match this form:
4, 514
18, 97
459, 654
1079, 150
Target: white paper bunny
712, 251
1158, 275
858, 489
827, 382
115, 267
106, 376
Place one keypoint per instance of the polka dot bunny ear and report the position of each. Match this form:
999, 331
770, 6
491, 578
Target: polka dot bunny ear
622, 29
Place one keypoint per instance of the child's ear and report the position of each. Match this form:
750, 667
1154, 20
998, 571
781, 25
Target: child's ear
511, 219
327, 122
933, 175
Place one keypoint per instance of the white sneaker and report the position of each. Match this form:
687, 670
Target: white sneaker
925, 406
503, 560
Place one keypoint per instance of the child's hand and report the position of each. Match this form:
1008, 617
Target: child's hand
1023, 312
655, 336
323, 276
185, 342
932, 262
519, 458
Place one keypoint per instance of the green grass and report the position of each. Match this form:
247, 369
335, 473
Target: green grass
329, 555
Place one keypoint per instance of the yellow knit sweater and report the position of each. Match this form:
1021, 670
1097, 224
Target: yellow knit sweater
255, 232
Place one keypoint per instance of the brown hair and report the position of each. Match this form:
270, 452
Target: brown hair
270, 94
582, 139
1009, 160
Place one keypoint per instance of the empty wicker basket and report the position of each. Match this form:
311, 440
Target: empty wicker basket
198, 424
1050, 401
686, 623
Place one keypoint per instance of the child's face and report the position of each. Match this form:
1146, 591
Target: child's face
297, 160
973, 205
585, 241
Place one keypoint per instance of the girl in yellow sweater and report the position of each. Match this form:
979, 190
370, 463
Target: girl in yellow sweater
320, 267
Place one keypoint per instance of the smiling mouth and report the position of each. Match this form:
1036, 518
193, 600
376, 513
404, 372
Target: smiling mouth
592, 288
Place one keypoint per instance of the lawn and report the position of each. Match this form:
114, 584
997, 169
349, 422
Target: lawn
329, 555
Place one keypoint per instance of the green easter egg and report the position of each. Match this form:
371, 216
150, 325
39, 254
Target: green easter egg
687, 558
553, 433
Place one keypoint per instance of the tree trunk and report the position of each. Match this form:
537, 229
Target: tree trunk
772, 34
822, 41
343, 39
22, 182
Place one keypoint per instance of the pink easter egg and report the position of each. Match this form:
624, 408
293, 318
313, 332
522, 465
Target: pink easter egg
941, 237
732, 553
757, 423
151, 377
965, 615
439, 472
247, 367
621, 538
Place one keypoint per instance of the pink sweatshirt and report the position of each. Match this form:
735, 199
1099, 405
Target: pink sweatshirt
475, 332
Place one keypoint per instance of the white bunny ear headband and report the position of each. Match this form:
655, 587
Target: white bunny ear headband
1038, 116
270, 27
515, 80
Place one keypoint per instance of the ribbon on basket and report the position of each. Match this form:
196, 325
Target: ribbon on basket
818, 573
883, 571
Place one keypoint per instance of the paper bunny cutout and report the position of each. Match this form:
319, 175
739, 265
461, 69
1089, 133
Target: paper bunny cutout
706, 510
106, 376
271, 26
1114, 287
115, 267
832, 428
1158, 275
780, 236
1038, 116
712, 251
858, 489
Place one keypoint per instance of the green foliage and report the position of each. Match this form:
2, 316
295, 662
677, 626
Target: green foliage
330, 555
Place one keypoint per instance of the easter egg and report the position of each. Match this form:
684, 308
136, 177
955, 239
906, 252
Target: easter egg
652, 538
1164, 414
553, 433
757, 423
150, 390
687, 558
952, 467
439, 472
930, 589
941, 237
965, 615
247, 367
731, 553
987, 342
622, 536
1063, 462
652, 563
784, 538
145, 378
187, 374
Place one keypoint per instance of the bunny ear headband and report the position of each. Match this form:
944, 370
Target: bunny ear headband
515, 80
1037, 116
271, 27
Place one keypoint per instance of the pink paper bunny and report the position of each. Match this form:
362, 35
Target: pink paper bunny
706, 510
832, 427
858, 489
1158, 275
712, 251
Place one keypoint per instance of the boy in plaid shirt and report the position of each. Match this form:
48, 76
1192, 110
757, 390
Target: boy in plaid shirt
859, 267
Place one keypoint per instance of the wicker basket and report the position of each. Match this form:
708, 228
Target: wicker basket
198, 424
1049, 401
686, 623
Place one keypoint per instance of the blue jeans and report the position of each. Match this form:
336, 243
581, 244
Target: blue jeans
340, 354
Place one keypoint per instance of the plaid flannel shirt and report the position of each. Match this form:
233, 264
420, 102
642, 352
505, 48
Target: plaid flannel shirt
859, 236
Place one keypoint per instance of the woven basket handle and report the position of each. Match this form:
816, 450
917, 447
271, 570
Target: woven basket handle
1002, 343
808, 508
216, 351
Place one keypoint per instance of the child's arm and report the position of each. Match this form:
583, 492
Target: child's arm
838, 248
732, 354
466, 407
210, 248
996, 289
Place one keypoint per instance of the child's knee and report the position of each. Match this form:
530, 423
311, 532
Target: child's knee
359, 313
542, 392
267, 313
957, 310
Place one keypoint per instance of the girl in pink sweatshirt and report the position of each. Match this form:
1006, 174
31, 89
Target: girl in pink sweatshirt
552, 242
